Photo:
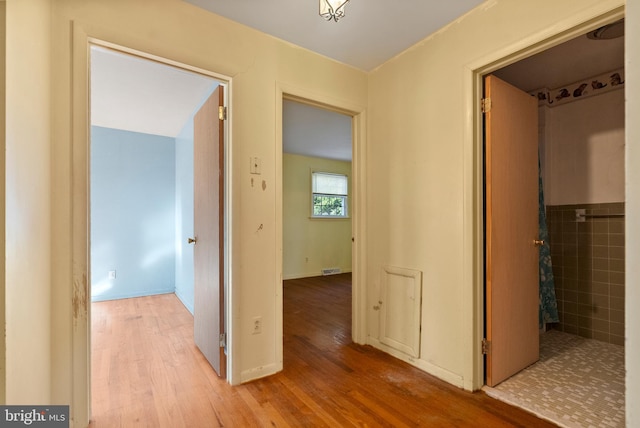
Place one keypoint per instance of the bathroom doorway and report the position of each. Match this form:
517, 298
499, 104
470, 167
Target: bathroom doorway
578, 86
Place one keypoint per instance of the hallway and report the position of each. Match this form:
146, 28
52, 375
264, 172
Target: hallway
147, 372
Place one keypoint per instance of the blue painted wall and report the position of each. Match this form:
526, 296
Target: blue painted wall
133, 214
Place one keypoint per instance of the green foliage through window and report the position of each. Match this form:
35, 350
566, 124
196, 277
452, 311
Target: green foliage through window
325, 205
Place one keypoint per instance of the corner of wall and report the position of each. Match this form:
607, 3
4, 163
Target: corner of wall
28, 302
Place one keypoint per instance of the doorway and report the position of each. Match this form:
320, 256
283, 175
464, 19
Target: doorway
317, 194
317, 191
355, 115
144, 124
581, 146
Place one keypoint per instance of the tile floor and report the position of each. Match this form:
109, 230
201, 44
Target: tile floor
578, 382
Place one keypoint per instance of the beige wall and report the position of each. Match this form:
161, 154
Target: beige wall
3, 87
424, 163
420, 156
311, 244
585, 151
257, 66
28, 232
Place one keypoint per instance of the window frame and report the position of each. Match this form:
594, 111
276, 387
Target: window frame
344, 197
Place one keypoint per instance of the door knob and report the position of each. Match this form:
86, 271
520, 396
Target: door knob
538, 242
191, 240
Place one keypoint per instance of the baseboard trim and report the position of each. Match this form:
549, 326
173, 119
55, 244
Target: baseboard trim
184, 302
307, 275
258, 372
132, 295
432, 369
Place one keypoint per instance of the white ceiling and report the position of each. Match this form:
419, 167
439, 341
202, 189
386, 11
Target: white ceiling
134, 94
137, 95
312, 131
574, 60
372, 31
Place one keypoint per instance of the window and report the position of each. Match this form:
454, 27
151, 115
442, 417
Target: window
328, 195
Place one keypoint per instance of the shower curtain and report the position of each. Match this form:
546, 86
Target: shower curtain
548, 311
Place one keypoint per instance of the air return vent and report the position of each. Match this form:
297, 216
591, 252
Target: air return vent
331, 271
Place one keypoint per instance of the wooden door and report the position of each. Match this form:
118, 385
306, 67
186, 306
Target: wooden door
511, 197
208, 222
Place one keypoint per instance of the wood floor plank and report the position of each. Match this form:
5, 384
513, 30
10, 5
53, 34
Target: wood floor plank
147, 372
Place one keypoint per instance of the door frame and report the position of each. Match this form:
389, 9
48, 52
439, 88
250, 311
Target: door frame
81, 329
473, 257
358, 204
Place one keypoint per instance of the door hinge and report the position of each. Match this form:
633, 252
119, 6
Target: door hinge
223, 340
222, 113
486, 346
486, 105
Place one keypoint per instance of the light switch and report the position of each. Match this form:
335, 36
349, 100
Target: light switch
255, 166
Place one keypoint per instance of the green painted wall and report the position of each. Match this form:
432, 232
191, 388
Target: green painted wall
311, 244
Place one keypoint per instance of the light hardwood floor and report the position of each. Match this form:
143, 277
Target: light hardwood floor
146, 372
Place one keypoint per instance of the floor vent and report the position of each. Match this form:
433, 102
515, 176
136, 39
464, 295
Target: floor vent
331, 271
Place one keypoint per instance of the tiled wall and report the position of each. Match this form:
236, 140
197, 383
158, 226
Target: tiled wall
588, 266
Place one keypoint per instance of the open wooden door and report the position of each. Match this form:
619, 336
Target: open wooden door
511, 197
208, 222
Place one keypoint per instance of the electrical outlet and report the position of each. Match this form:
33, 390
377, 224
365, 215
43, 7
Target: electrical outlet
257, 325
112, 274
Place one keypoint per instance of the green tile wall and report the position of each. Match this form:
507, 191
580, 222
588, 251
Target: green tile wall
588, 266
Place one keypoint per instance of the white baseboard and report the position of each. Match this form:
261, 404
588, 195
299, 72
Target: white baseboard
258, 372
186, 304
307, 274
432, 369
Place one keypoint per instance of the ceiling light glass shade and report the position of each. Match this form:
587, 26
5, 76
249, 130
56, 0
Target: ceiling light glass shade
332, 9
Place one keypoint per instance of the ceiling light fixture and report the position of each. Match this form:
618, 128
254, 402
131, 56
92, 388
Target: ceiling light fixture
332, 9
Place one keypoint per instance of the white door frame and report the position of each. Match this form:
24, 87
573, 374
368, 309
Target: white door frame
473, 303
358, 172
81, 296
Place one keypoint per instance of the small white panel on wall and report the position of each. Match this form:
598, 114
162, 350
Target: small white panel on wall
400, 309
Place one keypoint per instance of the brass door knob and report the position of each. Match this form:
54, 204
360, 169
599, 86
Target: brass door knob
191, 240
538, 242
